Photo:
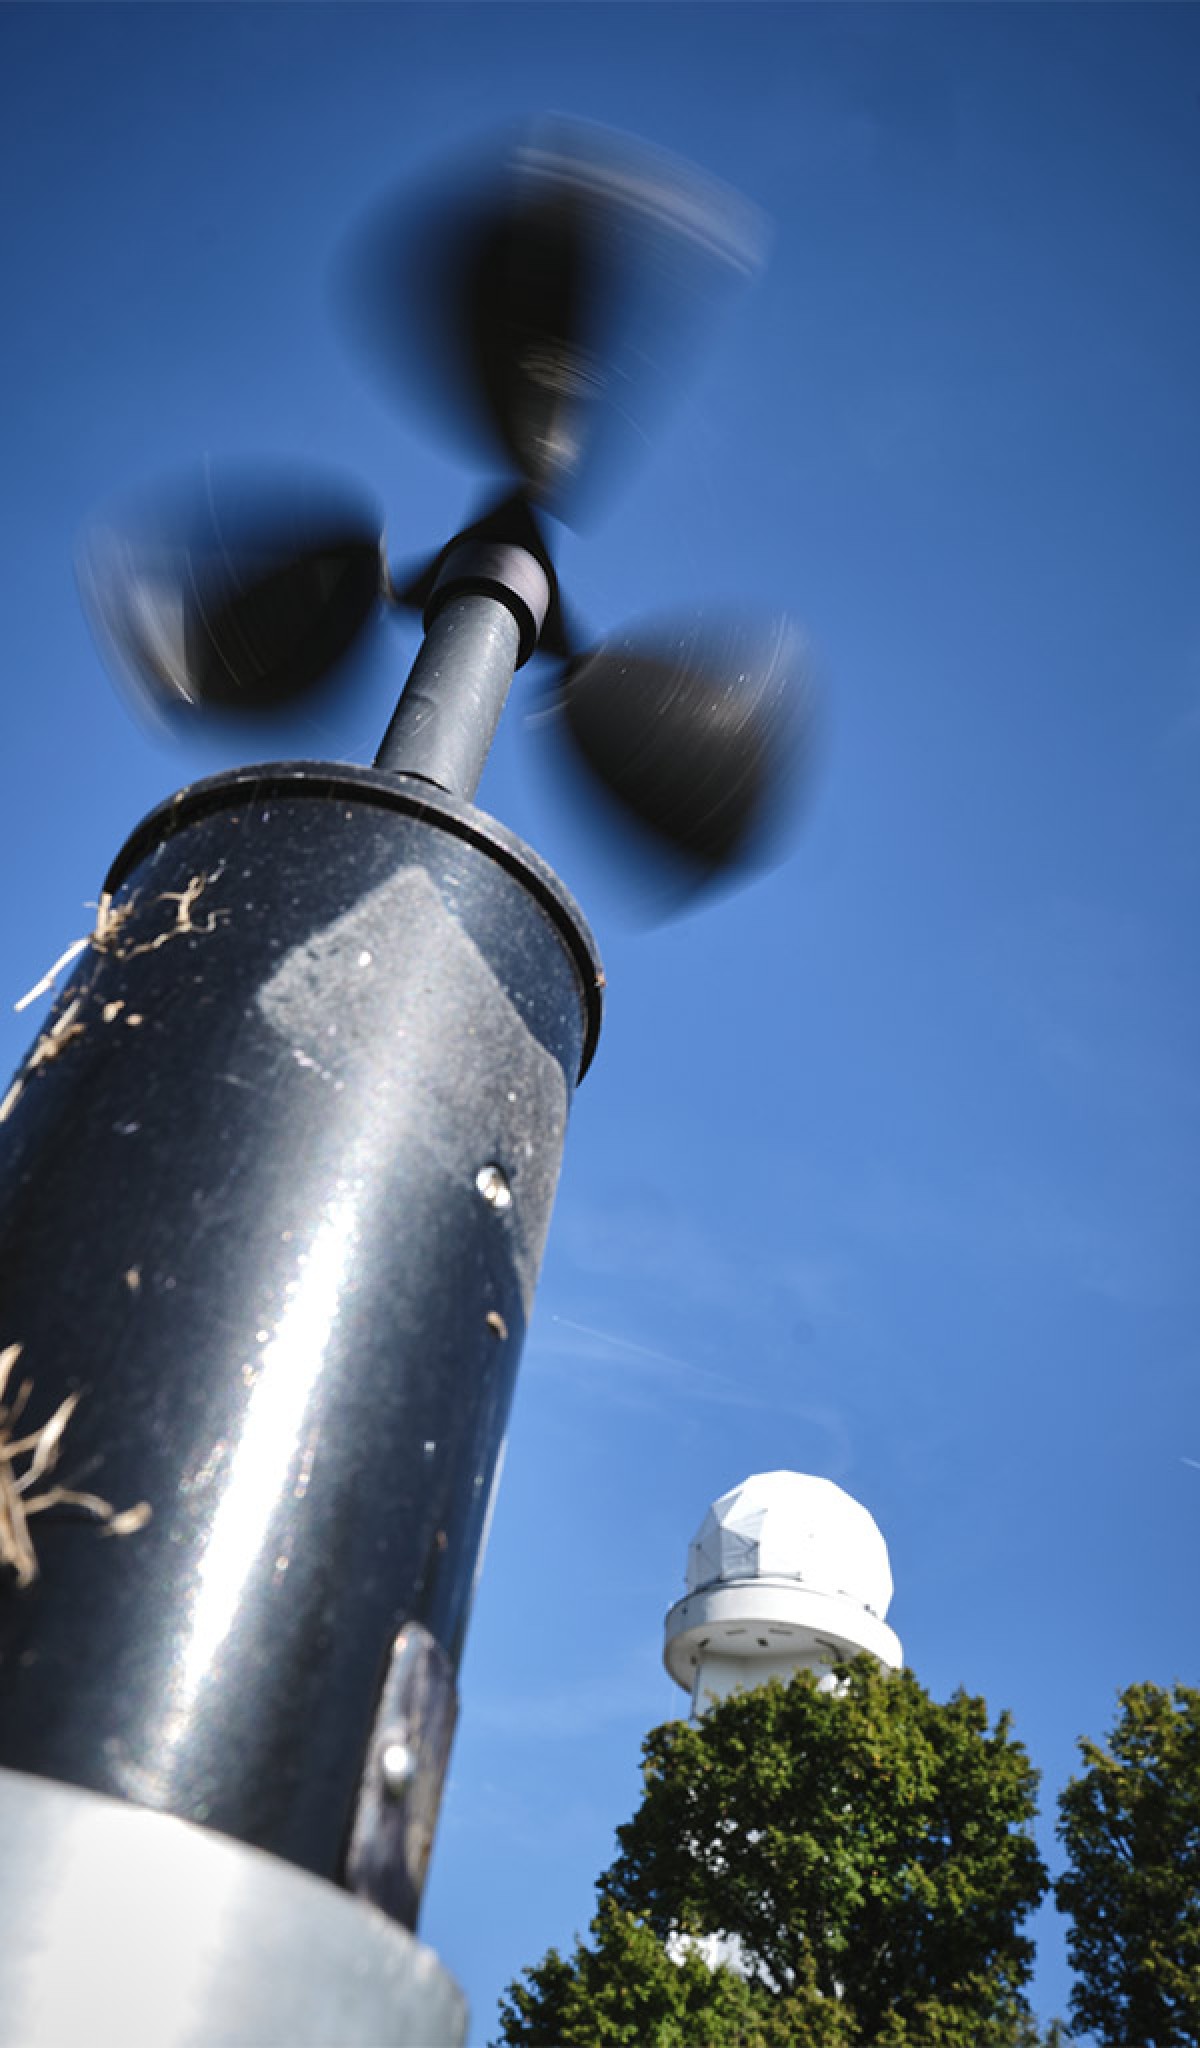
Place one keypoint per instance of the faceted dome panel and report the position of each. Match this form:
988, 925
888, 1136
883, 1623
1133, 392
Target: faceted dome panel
789, 1525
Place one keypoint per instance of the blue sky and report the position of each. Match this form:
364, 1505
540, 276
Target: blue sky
888, 1166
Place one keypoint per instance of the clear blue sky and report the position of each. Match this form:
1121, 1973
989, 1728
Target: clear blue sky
888, 1167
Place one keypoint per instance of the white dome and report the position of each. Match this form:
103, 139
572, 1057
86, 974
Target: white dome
791, 1526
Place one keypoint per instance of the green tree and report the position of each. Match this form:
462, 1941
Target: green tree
625, 1990
864, 1856
1130, 1825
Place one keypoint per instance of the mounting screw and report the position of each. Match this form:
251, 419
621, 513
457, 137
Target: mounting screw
494, 1187
397, 1766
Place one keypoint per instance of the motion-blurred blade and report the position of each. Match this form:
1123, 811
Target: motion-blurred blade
699, 733
546, 299
233, 593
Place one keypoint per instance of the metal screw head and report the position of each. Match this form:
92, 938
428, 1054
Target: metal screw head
397, 1766
494, 1187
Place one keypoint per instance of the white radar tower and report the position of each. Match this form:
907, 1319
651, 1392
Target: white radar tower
785, 1573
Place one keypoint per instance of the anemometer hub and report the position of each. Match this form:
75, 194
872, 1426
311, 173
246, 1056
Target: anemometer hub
500, 570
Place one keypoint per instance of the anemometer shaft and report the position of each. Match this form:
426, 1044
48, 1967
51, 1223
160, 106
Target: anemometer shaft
446, 720
482, 621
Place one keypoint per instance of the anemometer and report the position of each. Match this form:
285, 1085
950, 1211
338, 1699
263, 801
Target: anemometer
276, 1176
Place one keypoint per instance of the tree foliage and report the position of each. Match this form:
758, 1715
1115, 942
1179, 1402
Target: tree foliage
864, 1856
1130, 1824
626, 1990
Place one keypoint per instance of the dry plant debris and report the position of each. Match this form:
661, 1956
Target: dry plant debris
48, 1047
185, 901
107, 929
105, 938
41, 1447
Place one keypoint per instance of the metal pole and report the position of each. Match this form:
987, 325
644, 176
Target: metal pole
275, 1180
